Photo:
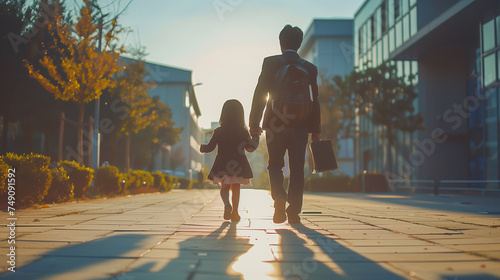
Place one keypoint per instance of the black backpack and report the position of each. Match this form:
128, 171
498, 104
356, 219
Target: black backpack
292, 101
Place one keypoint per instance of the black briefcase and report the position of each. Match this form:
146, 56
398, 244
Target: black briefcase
323, 156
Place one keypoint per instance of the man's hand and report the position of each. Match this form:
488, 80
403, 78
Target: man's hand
315, 136
255, 131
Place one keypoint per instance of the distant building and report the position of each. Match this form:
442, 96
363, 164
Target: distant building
451, 51
328, 44
175, 88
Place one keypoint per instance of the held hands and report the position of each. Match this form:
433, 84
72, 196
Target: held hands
255, 131
253, 145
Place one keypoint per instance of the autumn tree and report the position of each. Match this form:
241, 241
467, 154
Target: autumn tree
79, 72
387, 100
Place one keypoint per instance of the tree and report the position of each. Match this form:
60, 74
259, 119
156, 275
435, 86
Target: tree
338, 115
12, 22
388, 101
132, 90
79, 72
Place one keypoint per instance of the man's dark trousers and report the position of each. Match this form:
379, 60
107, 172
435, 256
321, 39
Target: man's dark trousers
295, 141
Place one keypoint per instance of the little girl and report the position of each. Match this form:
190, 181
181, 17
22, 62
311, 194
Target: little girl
231, 167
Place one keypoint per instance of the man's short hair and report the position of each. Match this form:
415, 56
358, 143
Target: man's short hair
291, 37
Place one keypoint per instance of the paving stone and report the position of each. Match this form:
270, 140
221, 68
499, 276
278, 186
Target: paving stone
181, 235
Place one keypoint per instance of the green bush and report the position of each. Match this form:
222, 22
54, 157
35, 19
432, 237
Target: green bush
61, 188
159, 181
330, 183
79, 175
33, 177
171, 181
4, 171
127, 182
107, 179
141, 179
185, 183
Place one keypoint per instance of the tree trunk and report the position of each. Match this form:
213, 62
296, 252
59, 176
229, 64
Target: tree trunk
5, 129
81, 111
127, 153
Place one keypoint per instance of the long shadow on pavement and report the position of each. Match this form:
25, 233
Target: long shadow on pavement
325, 259
98, 257
207, 256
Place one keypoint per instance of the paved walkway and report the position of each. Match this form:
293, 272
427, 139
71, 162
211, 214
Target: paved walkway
181, 235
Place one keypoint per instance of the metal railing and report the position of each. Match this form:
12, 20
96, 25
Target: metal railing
437, 185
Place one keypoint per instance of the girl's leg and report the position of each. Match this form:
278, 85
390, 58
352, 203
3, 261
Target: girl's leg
235, 189
224, 194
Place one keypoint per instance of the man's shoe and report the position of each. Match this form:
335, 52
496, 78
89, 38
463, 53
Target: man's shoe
293, 219
227, 211
279, 211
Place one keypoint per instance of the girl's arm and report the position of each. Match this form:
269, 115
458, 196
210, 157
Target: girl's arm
252, 143
207, 148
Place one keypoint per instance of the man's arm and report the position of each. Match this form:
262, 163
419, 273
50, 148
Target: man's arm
259, 100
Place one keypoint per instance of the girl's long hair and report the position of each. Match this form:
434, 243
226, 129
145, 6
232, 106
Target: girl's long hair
232, 114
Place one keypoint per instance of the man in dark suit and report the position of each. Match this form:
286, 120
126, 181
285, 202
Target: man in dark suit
281, 134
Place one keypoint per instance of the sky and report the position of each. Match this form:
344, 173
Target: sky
222, 41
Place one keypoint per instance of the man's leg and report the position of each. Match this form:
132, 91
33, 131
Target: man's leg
296, 156
276, 149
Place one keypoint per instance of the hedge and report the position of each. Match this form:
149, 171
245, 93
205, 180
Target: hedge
61, 188
33, 177
159, 181
4, 170
107, 180
141, 179
79, 175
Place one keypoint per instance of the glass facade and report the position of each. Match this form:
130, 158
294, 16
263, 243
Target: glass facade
484, 127
389, 26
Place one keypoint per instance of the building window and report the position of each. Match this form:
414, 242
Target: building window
488, 35
498, 31
397, 9
390, 13
413, 21
383, 8
386, 47
186, 100
380, 53
404, 6
413, 2
378, 23
372, 28
360, 41
391, 40
489, 70
399, 37
406, 28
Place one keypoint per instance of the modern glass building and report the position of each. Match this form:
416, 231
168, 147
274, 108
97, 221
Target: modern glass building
450, 50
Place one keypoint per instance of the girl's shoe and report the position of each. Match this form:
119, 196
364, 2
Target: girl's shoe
227, 211
235, 217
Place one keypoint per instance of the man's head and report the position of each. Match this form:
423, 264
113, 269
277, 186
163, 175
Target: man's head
290, 38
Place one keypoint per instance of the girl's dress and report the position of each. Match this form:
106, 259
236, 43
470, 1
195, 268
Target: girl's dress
230, 165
